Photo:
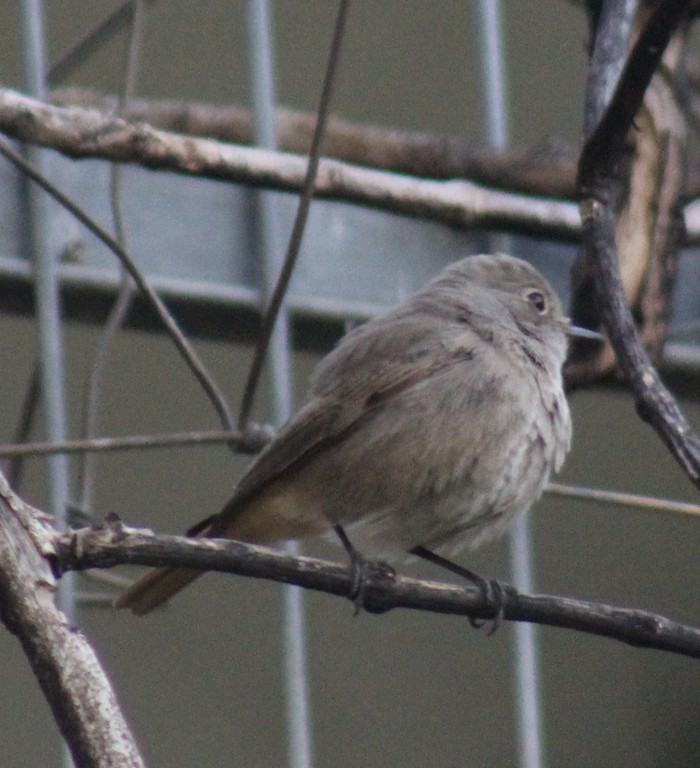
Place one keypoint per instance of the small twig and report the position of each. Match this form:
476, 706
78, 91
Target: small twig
634, 500
113, 544
85, 473
32, 396
290, 259
99, 35
251, 441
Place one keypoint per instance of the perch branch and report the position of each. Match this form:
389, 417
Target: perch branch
112, 544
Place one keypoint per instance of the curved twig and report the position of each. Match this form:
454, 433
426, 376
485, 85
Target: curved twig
300, 219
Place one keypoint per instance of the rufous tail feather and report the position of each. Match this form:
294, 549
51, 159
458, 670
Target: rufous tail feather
255, 522
154, 588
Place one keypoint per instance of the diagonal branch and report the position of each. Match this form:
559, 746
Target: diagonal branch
295, 239
182, 344
605, 137
601, 186
74, 684
112, 544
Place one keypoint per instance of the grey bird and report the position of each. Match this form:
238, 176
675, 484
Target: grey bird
426, 430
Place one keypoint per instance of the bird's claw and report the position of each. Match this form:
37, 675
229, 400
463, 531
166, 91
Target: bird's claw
363, 572
494, 598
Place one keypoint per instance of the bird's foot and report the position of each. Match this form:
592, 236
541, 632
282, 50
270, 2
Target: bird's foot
492, 590
362, 572
494, 597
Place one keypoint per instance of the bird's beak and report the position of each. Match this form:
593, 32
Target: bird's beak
584, 333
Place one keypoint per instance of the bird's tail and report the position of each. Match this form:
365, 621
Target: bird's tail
154, 588
254, 522
158, 585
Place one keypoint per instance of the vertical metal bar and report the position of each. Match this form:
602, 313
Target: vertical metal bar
528, 687
47, 290
86, 465
272, 242
43, 252
493, 70
272, 237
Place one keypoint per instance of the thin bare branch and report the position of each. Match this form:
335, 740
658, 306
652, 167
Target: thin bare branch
112, 544
633, 500
85, 472
307, 192
251, 440
101, 33
30, 402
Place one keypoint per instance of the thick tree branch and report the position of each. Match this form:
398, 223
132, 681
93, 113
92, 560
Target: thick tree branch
648, 230
65, 665
88, 133
81, 133
606, 136
601, 186
545, 170
113, 544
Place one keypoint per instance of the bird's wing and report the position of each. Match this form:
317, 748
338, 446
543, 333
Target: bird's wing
328, 416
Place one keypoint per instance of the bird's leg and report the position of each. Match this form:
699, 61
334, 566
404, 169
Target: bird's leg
359, 566
491, 589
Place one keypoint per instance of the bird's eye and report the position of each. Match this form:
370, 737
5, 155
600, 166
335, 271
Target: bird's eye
537, 300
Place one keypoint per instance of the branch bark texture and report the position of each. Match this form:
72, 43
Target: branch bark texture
83, 133
382, 589
653, 157
66, 667
601, 183
545, 170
